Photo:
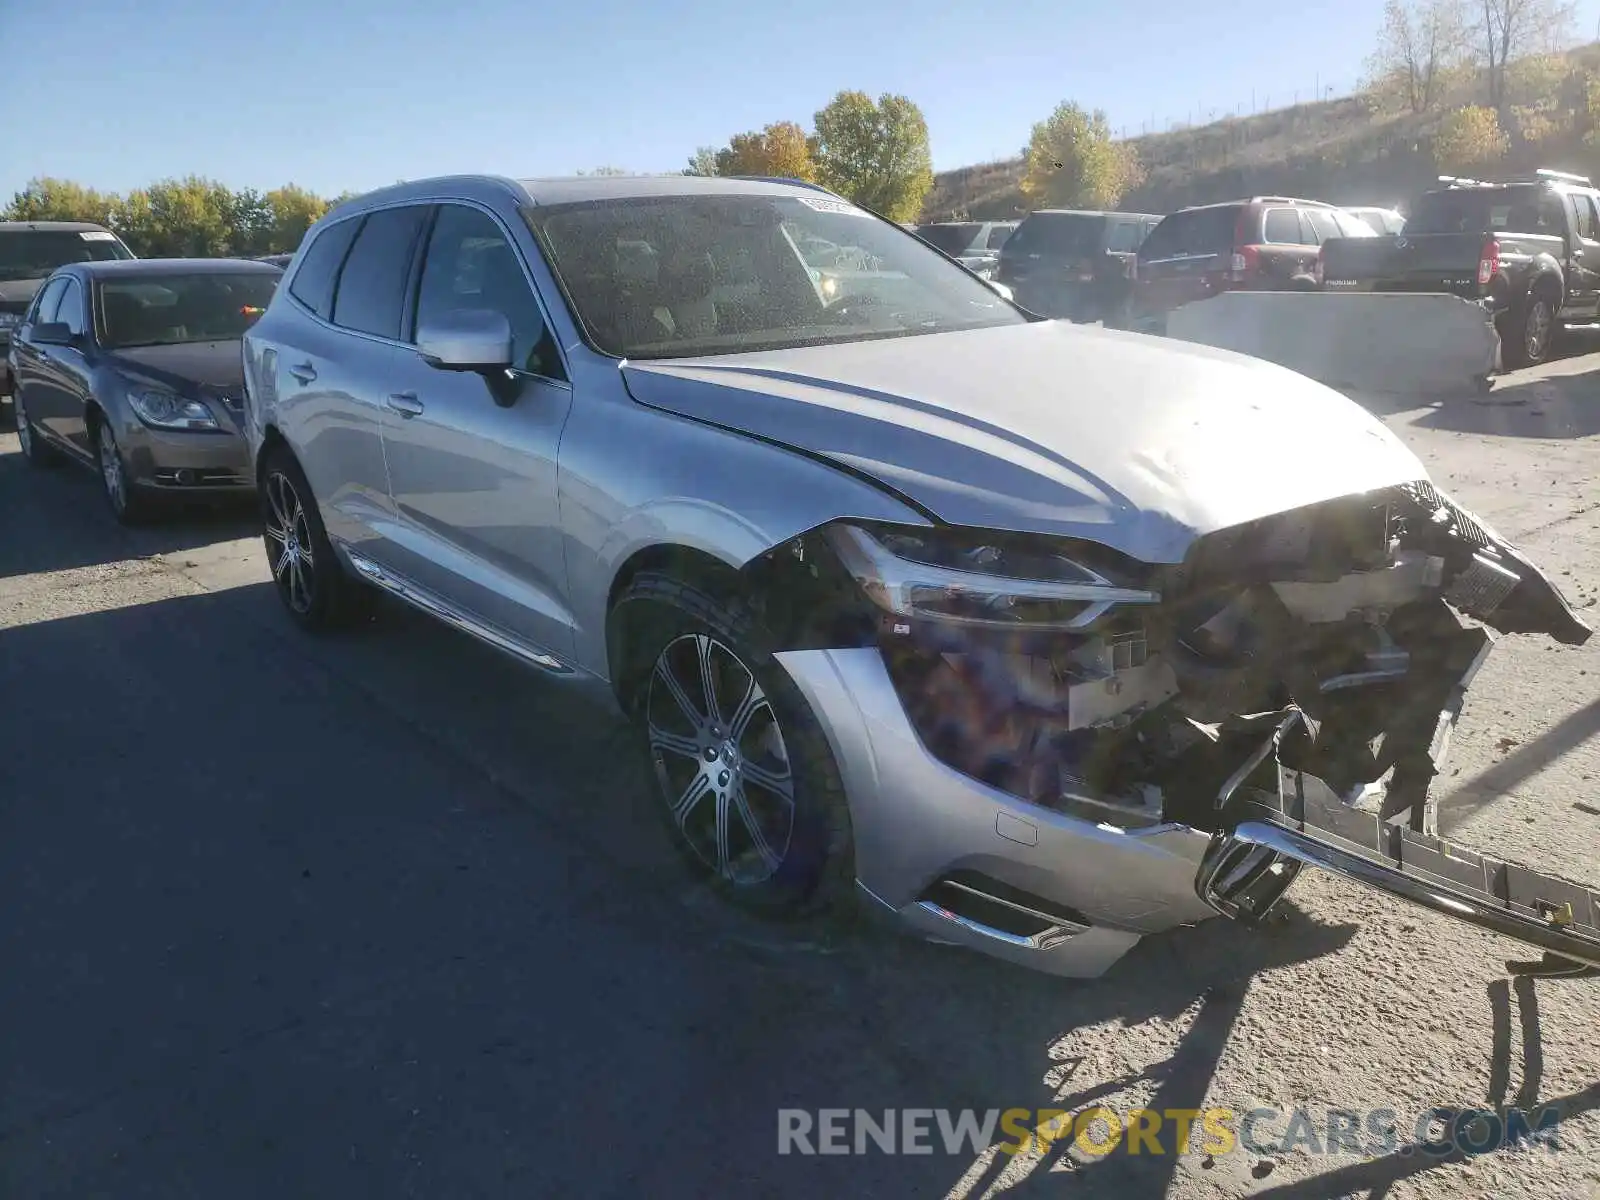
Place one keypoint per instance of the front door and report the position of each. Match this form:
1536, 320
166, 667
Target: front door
1583, 257
472, 468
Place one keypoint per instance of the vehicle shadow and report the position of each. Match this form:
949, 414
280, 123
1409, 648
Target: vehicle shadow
1550, 406
67, 501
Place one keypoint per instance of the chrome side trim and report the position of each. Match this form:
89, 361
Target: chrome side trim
1046, 939
1024, 909
425, 601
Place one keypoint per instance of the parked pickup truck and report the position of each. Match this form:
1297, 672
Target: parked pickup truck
1529, 251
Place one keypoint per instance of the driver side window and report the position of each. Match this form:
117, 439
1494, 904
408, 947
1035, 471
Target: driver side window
470, 264
70, 310
44, 308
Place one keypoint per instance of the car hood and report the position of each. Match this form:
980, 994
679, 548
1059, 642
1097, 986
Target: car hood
207, 366
1139, 443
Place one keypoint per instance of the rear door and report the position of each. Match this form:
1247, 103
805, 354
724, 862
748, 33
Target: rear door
1583, 254
1187, 257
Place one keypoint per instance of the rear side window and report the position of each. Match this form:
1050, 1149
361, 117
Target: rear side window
1282, 228
1352, 225
1124, 236
952, 239
312, 284
1323, 223
372, 287
1193, 231
70, 309
1585, 219
1058, 234
999, 235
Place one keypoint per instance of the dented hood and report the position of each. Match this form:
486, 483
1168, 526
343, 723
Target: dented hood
1139, 443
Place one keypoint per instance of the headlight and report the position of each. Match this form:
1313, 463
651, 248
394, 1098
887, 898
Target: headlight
8, 320
166, 411
970, 578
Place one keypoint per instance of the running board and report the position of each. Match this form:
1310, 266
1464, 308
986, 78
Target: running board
422, 599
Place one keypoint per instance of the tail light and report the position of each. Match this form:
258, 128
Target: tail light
1245, 260
1322, 256
1488, 261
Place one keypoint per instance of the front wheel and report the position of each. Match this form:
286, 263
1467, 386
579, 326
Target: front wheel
128, 504
311, 582
746, 781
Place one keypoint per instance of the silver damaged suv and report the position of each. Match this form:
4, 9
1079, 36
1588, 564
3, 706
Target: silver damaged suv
1038, 637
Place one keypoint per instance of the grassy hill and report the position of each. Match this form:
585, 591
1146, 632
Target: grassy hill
1352, 150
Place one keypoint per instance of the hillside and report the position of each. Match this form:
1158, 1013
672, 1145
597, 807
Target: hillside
1351, 150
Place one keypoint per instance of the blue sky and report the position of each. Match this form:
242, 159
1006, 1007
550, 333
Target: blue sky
337, 94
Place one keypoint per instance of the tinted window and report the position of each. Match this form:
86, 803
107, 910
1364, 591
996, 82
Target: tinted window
34, 253
999, 235
370, 296
313, 282
1283, 227
1058, 234
1473, 210
952, 239
1124, 236
69, 311
471, 265
44, 305
1586, 219
1193, 231
166, 310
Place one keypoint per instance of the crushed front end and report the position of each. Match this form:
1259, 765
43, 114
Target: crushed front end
1287, 691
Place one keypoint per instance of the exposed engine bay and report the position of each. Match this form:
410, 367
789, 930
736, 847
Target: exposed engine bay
1133, 700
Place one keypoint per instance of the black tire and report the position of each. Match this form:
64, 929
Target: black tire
667, 620
34, 448
316, 591
129, 505
1529, 331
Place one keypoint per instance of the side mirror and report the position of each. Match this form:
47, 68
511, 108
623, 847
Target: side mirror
468, 339
53, 333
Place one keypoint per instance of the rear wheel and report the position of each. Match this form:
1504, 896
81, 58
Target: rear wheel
746, 781
34, 448
311, 582
1530, 331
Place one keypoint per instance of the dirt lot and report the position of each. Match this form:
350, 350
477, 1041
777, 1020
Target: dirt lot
385, 916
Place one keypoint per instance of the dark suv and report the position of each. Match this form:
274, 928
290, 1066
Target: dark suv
30, 251
1266, 243
1073, 264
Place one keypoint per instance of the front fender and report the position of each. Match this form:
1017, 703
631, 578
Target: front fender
635, 479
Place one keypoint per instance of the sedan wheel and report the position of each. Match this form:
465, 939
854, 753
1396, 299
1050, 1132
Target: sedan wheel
127, 505
721, 759
35, 451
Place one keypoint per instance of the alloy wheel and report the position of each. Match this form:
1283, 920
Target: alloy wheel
1537, 332
720, 759
112, 472
288, 534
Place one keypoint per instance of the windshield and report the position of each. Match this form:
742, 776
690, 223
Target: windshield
682, 276
35, 253
952, 239
1057, 233
1195, 231
166, 310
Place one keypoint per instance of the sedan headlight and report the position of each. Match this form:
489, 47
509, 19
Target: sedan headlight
976, 579
9, 320
163, 410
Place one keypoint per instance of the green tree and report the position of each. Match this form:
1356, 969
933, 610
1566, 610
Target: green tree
1469, 137
294, 210
781, 149
875, 153
702, 162
1420, 43
250, 224
1072, 162
47, 199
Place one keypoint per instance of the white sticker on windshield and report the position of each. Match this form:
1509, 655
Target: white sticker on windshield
834, 206
97, 235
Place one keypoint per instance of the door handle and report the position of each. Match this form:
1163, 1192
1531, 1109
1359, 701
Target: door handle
305, 372
405, 403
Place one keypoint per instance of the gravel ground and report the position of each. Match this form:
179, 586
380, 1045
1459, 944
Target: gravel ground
384, 916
